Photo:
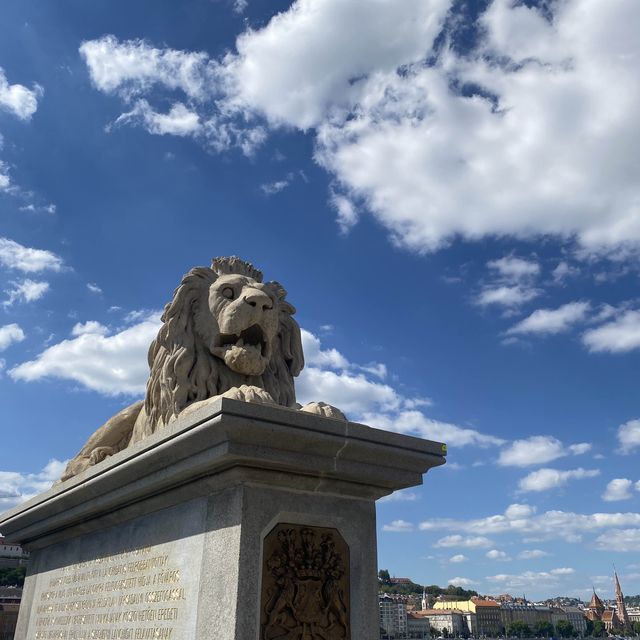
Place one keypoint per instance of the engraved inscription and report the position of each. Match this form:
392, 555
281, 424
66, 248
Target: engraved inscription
305, 584
137, 594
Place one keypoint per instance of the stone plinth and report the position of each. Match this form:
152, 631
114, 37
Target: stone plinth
232, 523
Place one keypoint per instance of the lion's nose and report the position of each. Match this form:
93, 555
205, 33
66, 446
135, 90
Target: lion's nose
256, 298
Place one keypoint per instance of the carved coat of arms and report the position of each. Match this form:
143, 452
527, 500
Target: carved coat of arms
305, 584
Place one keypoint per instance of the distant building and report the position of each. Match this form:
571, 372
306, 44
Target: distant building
9, 606
577, 619
393, 616
418, 626
401, 581
634, 614
12, 554
525, 612
486, 621
613, 619
451, 621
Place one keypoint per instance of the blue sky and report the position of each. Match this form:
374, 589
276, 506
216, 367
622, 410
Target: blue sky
449, 193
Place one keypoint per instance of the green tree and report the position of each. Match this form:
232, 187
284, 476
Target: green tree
636, 628
598, 629
564, 629
13, 577
589, 631
543, 629
384, 577
518, 628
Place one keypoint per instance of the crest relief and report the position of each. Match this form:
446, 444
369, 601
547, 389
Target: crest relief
305, 584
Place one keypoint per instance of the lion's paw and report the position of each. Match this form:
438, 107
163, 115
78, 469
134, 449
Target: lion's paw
100, 453
325, 410
249, 393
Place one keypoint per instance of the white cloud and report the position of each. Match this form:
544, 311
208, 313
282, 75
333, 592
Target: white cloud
94, 288
305, 64
618, 336
552, 321
496, 554
133, 67
178, 121
470, 542
26, 291
271, 188
16, 256
530, 578
580, 448
533, 450
17, 99
518, 511
346, 210
563, 271
532, 554
545, 479
535, 147
506, 296
402, 495
532, 132
18, 487
9, 334
417, 424
398, 526
91, 326
629, 436
618, 489
512, 268
620, 540
461, 582
458, 558
556, 524
136, 71
112, 365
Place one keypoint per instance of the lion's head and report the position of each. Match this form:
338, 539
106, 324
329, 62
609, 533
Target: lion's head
223, 328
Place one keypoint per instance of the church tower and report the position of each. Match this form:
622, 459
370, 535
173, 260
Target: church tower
621, 608
424, 599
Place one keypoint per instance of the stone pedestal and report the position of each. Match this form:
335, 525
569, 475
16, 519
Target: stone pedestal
238, 522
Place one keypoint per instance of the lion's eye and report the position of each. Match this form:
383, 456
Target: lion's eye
228, 293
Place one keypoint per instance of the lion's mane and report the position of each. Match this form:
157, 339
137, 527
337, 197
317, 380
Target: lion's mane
182, 368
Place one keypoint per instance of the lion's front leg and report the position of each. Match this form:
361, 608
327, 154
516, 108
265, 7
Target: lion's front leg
323, 409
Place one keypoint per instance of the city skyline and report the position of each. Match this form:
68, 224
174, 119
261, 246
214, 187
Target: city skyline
449, 193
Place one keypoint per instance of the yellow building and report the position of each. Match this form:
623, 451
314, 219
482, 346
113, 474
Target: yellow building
487, 613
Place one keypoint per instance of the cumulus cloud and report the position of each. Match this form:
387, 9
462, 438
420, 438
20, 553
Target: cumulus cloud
620, 540
532, 554
10, 334
618, 489
531, 132
470, 542
26, 291
458, 558
523, 521
545, 479
461, 582
496, 554
17, 99
538, 450
136, 70
109, 364
629, 436
618, 336
552, 321
398, 526
531, 578
506, 296
16, 487
13, 255
402, 495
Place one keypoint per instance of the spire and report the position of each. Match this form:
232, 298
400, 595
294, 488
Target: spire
424, 598
621, 608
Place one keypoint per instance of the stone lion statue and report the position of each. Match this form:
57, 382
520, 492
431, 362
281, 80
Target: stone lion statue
225, 333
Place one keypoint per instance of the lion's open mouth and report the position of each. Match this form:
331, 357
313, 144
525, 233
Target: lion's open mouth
252, 337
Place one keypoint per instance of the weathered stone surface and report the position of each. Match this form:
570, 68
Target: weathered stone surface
226, 332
